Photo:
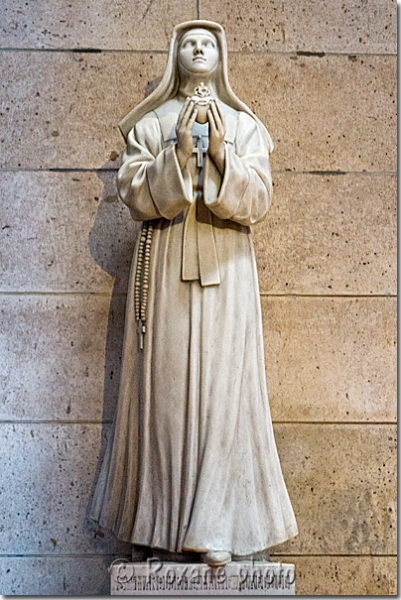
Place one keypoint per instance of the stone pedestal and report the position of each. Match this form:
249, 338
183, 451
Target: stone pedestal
153, 578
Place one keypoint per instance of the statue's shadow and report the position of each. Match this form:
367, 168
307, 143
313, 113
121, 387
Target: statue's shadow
111, 243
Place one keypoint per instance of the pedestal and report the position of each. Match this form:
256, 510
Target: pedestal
154, 578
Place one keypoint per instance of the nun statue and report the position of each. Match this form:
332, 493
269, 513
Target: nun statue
191, 464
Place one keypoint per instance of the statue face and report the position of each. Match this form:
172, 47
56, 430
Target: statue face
198, 51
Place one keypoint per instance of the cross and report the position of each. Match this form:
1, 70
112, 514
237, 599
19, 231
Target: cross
199, 150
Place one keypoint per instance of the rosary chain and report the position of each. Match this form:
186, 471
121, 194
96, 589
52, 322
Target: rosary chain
141, 286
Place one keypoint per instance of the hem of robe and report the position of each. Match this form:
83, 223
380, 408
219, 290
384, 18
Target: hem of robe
114, 520
243, 551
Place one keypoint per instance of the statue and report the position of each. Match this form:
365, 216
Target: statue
192, 464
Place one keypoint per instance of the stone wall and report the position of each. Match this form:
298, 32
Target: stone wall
321, 76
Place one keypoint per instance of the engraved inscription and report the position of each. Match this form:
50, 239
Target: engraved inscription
237, 578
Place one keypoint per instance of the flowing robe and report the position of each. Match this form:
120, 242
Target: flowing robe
192, 462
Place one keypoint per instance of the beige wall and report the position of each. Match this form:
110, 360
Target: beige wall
321, 76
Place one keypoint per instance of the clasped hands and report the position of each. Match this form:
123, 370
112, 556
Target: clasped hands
217, 130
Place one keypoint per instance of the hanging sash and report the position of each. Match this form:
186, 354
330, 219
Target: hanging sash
199, 254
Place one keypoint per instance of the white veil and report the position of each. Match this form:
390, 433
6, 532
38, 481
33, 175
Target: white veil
168, 87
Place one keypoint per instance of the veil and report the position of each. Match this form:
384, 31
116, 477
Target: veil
168, 87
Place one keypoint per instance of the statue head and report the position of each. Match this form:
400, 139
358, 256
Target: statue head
198, 53
198, 47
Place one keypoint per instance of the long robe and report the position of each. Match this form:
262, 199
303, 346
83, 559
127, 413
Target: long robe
192, 463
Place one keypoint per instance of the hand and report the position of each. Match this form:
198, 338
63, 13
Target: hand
217, 131
185, 123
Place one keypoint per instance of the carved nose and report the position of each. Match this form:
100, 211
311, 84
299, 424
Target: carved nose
198, 50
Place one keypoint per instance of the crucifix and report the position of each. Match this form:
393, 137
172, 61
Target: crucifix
200, 150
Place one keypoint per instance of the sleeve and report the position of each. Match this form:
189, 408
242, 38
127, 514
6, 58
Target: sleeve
246, 189
150, 181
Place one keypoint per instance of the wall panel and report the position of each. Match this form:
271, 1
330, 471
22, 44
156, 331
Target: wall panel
321, 76
61, 109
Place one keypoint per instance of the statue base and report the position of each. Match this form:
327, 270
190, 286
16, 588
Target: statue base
156, 578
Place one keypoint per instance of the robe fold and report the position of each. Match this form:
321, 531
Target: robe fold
192, 462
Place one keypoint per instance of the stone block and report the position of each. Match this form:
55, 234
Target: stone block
88, 575
49, 472
64, 232
121, 25
330, 113
329, 235
342, 483
61, 110
331, 359
344, 575
342, 474
344, 27
195, 579
55, 575
64, 107
350, 26
323, 235
61, 356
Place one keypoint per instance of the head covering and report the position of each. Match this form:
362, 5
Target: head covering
169, 85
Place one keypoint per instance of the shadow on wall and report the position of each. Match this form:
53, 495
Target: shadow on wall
111, 243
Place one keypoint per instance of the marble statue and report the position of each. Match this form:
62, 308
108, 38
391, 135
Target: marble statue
192, 465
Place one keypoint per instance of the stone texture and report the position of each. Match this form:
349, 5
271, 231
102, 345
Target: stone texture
64, 107
352, 26
55, 575
71, 231
123, 25
342, 483
342, 474
323, 235
60, 110
61, 356
306, 25
329, 235
51, 471
331, 359
348, 575
324, 114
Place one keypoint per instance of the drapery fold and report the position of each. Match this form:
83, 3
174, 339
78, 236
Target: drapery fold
192, 462
152, 184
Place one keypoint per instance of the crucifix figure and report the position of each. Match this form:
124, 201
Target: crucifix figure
200, 150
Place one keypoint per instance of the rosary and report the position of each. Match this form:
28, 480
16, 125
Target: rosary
142, 279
